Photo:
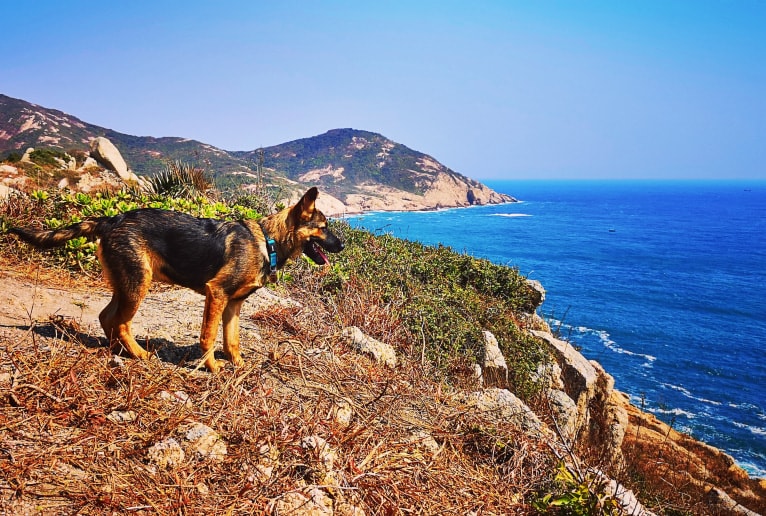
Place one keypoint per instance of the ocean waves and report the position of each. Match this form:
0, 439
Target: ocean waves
577, 333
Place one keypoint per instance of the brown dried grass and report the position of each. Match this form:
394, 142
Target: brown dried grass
60, 452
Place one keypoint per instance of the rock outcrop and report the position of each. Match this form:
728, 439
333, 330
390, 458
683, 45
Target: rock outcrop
105, 153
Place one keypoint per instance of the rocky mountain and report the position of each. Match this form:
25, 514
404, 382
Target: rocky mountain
367, 171
357, 170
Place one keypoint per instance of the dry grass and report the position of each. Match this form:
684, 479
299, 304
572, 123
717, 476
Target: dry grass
62, 453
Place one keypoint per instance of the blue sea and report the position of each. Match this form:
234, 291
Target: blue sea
660, 282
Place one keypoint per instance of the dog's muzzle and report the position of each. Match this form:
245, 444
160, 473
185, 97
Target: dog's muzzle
315, 246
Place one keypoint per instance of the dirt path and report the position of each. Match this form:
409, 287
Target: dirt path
169, 318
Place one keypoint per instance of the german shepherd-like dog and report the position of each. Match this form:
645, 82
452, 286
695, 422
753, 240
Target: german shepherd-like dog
223, 260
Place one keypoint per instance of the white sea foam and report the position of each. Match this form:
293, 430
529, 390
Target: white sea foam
511, 215
752, 429
673, 412
689, 395
606, 339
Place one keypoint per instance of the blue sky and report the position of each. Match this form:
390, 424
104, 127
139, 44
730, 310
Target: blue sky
492, 89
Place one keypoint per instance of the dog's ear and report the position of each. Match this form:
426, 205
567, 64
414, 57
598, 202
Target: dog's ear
305, 208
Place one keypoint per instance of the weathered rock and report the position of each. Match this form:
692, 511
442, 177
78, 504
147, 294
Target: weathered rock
166, 453
264, 299
314, 503
424, 441
27, 157
379, 351
6, 191
629, 504
122, 416
203, 441
8, 169
549, 376
722, 501
536, 295
323, 463
342, 413
609, 419
503, 405
494, 369
578, 375
89, 163
268, 458
564, 412
104, 151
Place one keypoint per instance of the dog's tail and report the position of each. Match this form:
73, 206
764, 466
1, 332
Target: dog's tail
46, 239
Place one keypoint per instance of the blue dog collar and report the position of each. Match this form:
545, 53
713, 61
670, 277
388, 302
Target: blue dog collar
271, 250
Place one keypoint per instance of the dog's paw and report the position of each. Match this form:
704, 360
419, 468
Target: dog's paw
238, 361
214, 366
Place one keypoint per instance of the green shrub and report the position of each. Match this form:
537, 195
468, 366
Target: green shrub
576, 495
54, 209
444, 299
180, 179
46, 157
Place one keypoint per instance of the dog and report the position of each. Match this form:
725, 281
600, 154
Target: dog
225, 261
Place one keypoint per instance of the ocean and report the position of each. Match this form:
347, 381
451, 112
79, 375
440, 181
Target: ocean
660, 282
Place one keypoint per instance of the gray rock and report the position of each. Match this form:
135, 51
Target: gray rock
203, 441
536, 294
503, 405
166, 453
104, 151
379, 351
578, 375
494, 368
564, 412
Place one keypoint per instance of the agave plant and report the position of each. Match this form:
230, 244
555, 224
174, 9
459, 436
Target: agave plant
180, 179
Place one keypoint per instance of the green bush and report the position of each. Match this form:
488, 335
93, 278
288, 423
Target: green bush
56, 209
443, 298
46, 157
180, 179
576, 495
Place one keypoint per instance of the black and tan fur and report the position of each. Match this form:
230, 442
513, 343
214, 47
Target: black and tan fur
224, 261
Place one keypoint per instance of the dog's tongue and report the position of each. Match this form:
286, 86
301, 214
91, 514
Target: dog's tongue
318, 250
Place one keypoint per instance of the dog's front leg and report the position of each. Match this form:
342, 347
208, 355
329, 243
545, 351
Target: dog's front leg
215, 302
231, 331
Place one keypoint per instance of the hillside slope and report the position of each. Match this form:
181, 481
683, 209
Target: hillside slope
368, 171
364, 170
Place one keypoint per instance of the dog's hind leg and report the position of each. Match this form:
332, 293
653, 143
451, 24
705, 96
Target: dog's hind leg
215, 304
127, 293
231, 331
116, 321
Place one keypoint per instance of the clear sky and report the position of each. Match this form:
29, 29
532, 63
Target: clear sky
492, 89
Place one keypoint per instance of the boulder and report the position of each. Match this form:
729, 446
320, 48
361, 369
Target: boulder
536, 295
379, 351
89, 163
104, 151
503, 405
578, 375
564, 413
494, 369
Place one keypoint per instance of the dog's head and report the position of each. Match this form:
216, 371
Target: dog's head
312, 229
